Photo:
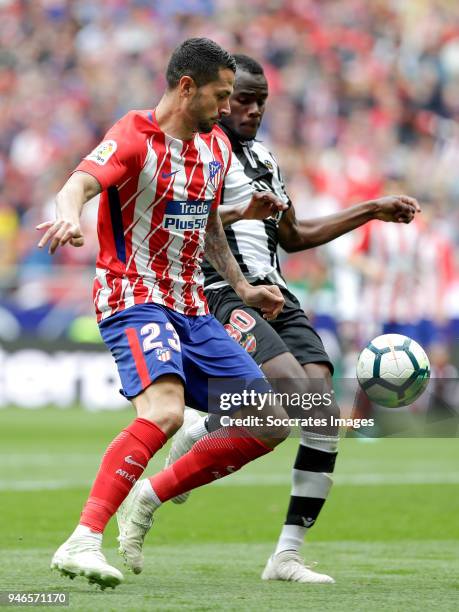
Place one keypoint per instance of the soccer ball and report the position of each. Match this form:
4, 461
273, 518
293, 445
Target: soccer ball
393, 370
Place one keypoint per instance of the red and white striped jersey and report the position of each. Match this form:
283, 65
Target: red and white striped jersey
415, 270
157, 195
393, 250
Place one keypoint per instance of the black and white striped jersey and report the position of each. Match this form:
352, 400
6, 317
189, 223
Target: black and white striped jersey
253, 243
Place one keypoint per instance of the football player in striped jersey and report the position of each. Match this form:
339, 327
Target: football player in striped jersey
160, 174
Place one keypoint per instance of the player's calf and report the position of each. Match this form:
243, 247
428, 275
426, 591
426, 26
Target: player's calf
319, 380
196, 427
214, 456
271, 424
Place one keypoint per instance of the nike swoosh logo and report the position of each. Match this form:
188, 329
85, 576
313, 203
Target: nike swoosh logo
308, 522
168, 174
130, 460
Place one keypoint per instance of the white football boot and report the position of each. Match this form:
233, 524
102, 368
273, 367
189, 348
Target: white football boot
135, 518
182, 442
288, 565
82, 556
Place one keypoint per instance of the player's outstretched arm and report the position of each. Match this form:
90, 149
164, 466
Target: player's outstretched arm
261, 205
78, 190
267, 298
295, 235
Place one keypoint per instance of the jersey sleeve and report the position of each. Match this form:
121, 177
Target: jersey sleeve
227, 157
120, 154
237, 186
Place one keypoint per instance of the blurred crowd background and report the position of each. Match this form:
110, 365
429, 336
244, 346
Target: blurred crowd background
364, 101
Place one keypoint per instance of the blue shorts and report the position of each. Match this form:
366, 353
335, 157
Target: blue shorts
150, 340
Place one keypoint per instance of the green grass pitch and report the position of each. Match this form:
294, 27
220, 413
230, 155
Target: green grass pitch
389, 533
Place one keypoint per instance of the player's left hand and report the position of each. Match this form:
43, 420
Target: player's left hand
398, 209
267, 298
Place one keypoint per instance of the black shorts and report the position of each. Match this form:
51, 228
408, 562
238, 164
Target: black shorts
291, 332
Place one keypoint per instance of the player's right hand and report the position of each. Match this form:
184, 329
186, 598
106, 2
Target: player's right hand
267, 298
58, 233
263, 204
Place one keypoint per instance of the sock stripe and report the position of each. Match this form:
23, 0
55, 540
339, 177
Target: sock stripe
310, 484
327, 444
303, 511
314, 460
139, 358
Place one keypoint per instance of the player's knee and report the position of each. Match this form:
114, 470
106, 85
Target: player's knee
282, 429
162, 403
169, 407
175, 419
319, 372
276, 436
283, 367
280, 433
275, 426
168, 417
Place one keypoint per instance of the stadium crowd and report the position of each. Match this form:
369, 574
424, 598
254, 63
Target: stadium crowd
364, 100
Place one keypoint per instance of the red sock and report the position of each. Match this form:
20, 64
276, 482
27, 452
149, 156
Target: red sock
216, 455
122, 465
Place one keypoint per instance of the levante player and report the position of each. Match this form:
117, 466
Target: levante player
288, 349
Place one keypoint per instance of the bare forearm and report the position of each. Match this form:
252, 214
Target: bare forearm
267, 298
69, 203
315, 232
220, 256
261, 205
65, 228
70, 200
231, 214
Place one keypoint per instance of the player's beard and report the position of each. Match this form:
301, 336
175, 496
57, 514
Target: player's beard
197, 108
205, 126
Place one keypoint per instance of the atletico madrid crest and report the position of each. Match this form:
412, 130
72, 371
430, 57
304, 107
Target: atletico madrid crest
215, 173
163, 354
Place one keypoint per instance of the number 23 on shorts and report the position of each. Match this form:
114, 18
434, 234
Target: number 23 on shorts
151, 331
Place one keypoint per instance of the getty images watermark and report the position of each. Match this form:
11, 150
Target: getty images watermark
259, 401
311, 404
247, 398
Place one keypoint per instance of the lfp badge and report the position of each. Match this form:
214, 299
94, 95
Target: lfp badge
102, 153
215, 173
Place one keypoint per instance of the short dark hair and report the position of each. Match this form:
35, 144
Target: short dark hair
199, 58
248, 64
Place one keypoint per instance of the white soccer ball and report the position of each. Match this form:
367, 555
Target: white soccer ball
393, 370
